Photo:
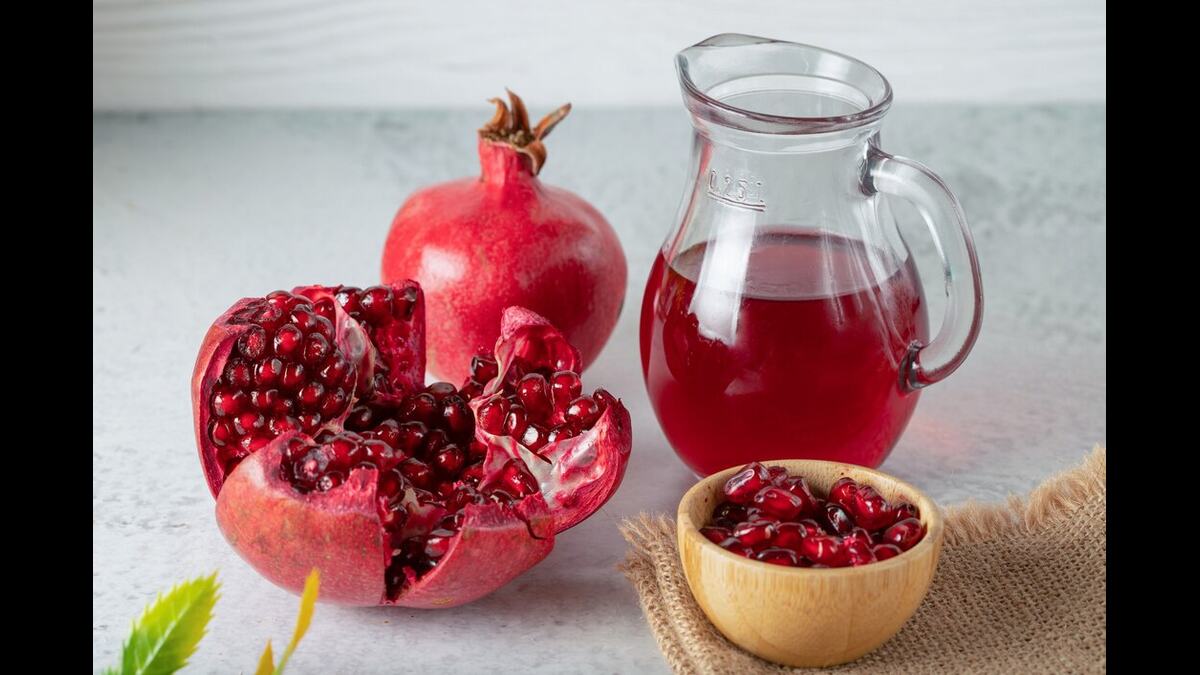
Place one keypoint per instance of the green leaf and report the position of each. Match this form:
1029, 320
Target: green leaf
169, 630
311, 586
266, 662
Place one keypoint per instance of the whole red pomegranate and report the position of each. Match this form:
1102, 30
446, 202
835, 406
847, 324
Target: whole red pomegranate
324, 450
478, 245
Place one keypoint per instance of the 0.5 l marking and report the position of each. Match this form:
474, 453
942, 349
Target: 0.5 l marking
745, 193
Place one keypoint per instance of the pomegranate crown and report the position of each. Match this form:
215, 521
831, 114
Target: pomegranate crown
511, 126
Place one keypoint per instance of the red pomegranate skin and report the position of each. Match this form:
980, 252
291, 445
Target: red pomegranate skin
478, 245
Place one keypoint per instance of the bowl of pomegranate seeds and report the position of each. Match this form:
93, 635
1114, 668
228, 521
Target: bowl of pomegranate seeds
808, 563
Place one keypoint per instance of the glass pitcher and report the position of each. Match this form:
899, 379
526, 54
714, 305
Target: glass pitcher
784, 317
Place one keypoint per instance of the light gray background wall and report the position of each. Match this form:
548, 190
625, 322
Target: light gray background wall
155, 54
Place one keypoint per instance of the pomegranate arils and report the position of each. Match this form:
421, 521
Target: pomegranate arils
870, 509
534, 393
835, 519
823, 549
906, 510
515, 481
843, 491
376, 303
782, 522
565, 386
778, 556
777, 474
904, 534
583, 412
253, 343
743, 485
885, 551
288, 340
755, 532
492, 415
778, 502
484, 368
716, 534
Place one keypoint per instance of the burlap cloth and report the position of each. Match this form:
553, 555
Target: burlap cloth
1020, 588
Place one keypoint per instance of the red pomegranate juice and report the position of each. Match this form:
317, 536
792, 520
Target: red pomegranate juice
803, 362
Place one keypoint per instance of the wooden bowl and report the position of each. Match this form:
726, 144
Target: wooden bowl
801, 616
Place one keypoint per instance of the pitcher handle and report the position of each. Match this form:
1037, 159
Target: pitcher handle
915, 183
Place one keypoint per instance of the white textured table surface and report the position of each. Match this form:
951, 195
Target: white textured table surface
190, 212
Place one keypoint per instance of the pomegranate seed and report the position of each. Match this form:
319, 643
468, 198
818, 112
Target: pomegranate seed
359, 419
253, 343
559, 433
534, 394
604, 399
778, 502
411, 436
310, 466
906, 510
258, 442
778, 556
476, 450
421, 407
755, 532
885, 551
282, 424
565, 386
267, 372
345, 449
857, 552
237, 374
264, 315
334, 370
471, 389
904, 534
799, 487
870, 509
776, 475
449, 460
843, 491
288, 339
515, 480
435, 440
492, 414
324, 309
334, 403
376, 303
789, 535
221, 432
309, 421
324, 328
743, 485
734, 546
265, 399
248, 421
534, 437
473, 473
835, 519
484, 368
716, 534
417, 472
226, 403
316, 348
456, 415
824, 550
311, 394
440, 390
348, 299
516, 421
582, 412
303, 319
293, 376
728, 514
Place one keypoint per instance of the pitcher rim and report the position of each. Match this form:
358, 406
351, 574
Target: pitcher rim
730, 115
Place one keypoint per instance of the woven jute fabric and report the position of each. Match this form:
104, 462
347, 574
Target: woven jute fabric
1020, 588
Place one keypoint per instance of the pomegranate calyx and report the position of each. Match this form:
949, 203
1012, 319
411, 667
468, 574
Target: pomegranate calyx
511, 127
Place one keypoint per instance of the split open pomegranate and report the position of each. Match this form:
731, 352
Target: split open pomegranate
324, 448
776, 518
